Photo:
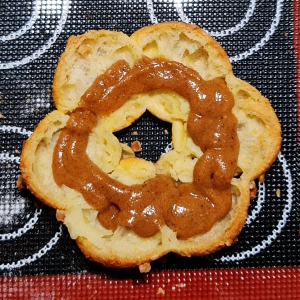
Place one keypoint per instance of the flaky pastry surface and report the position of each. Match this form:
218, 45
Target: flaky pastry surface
89, 55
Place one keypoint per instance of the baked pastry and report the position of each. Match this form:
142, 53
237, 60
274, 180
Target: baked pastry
158, 68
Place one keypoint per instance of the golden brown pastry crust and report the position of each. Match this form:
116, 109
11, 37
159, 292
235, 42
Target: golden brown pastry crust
29, 163
88, 56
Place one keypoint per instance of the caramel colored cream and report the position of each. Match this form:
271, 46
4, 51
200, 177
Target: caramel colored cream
189, 208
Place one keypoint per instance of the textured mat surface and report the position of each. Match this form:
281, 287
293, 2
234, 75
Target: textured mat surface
261, 41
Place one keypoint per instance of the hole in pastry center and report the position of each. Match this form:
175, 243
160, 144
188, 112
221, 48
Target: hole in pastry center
153, 134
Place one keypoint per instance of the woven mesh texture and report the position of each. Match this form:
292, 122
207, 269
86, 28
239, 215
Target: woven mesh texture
258, 37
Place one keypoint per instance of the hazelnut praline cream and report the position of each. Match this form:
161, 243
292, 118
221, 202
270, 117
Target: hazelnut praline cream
188, 208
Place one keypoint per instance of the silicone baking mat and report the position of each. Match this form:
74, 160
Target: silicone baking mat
38, 260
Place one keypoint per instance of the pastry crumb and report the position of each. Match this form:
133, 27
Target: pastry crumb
1, 116
166, 131
134, 133
145, 267
178, 285
253, 193
21, 185
127, 151
278, 192
261, 178
253, 190
161, 291
252, 185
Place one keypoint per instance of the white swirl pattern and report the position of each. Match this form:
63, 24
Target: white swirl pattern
22, 262
8, 209
151, 12
15, 129
36, 54
28, 226
26, 26
280, 225
32, 221
230, 31
265, 39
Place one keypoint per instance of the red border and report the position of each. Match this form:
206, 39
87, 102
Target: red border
254, 283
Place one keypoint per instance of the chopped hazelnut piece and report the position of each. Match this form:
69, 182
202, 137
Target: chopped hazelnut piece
136, 146
60, 215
